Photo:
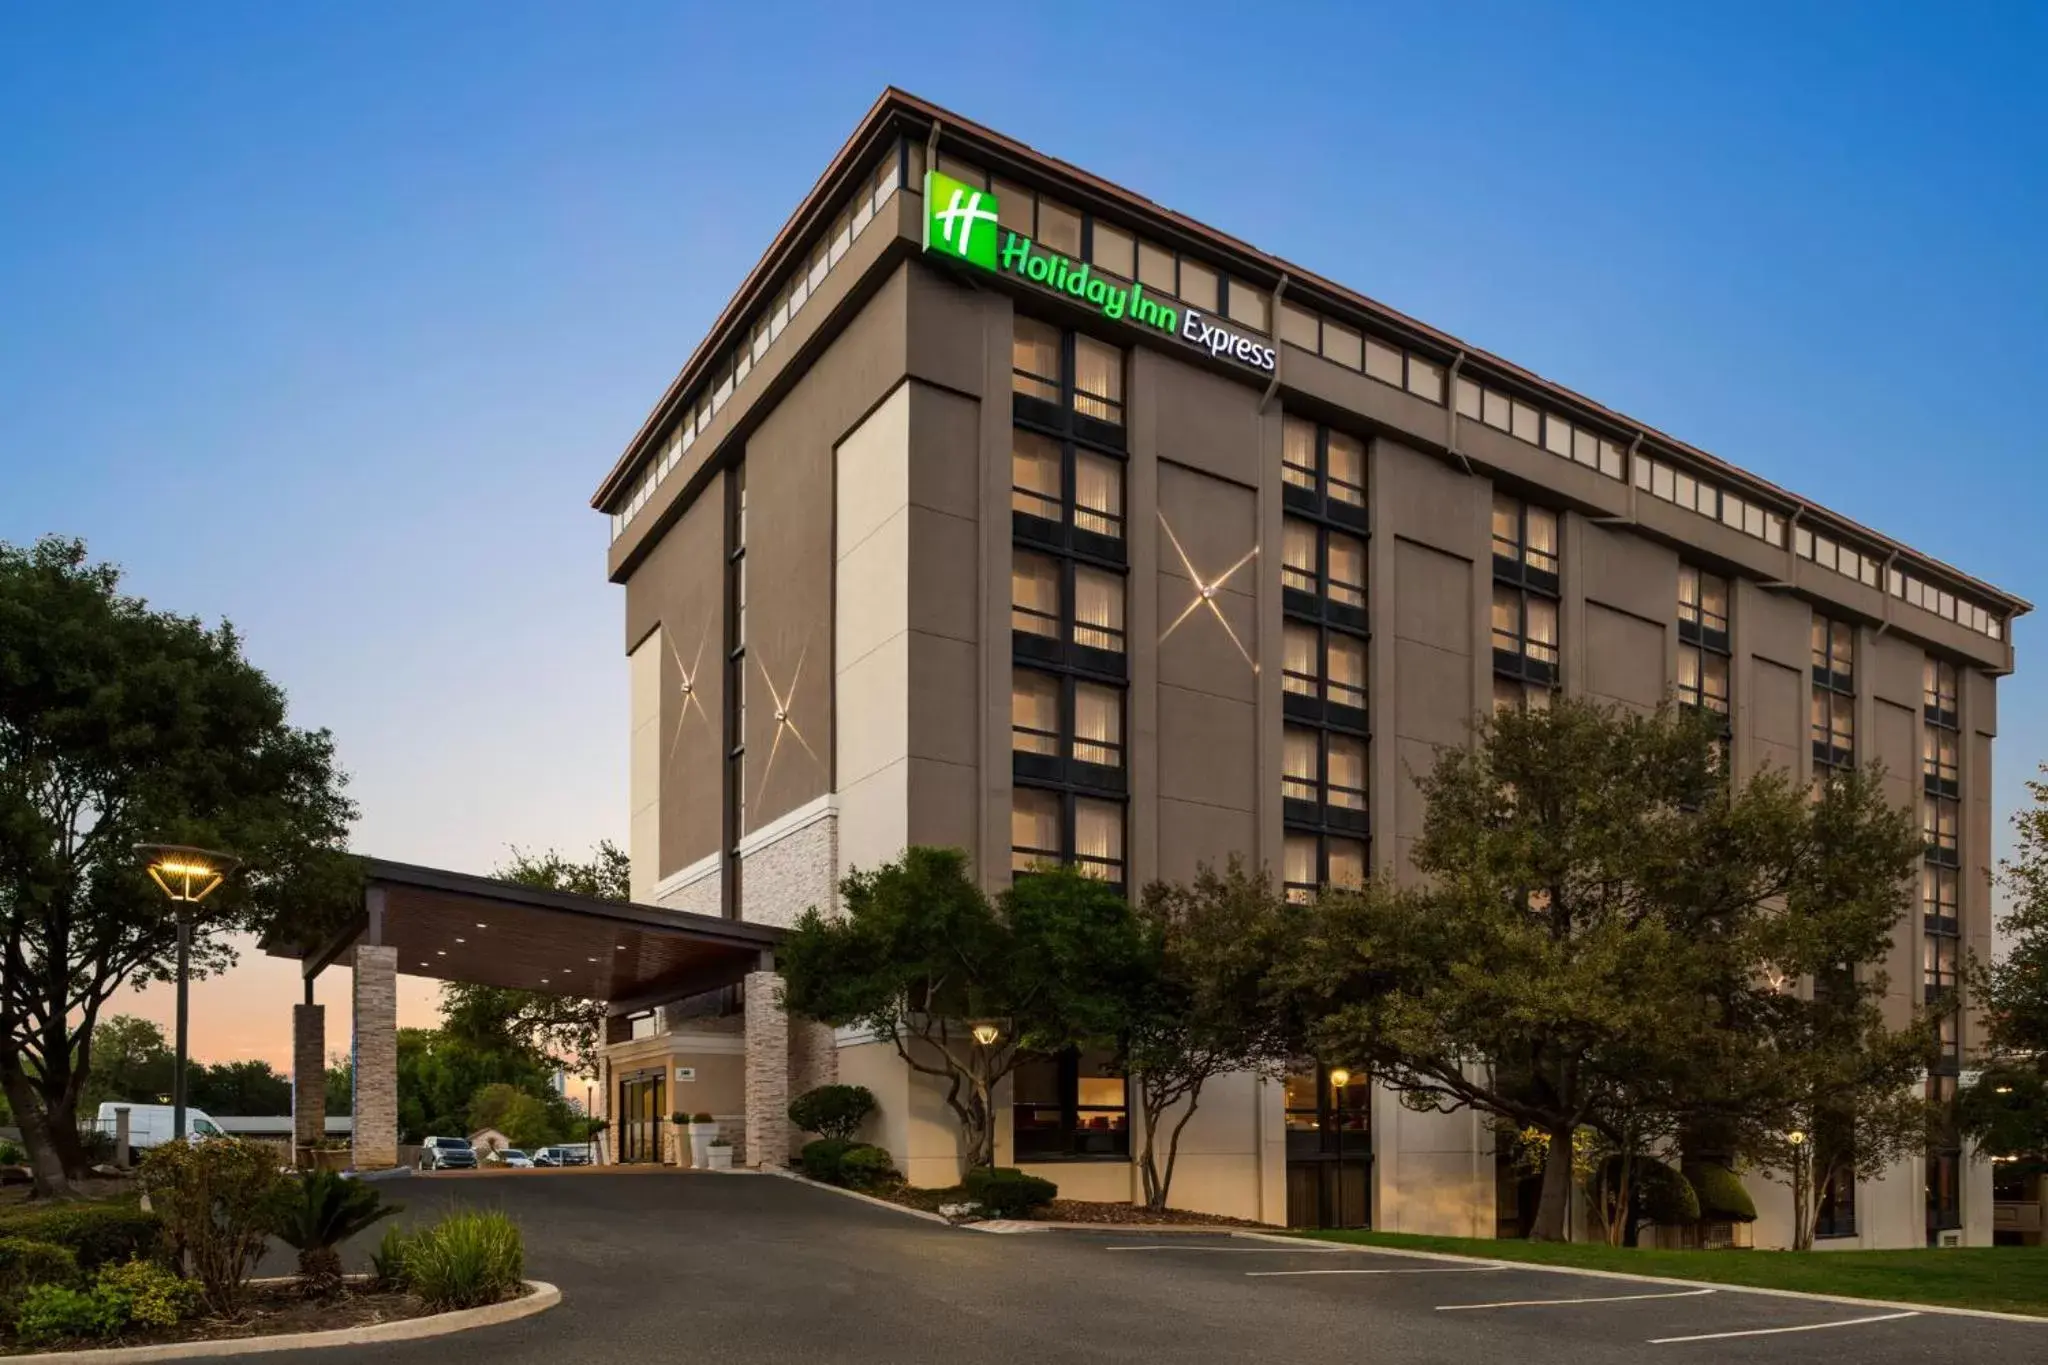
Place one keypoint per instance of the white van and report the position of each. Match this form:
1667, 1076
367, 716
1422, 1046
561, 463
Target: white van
149, 1125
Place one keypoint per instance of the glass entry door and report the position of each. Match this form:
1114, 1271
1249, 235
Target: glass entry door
640, 1115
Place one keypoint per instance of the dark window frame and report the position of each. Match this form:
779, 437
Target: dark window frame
1315, 603
1071, 1130
1302, 892
1315, 499
1062, 416
1317, 706
1065, 768
1065, 533
1069, 799
1063, 650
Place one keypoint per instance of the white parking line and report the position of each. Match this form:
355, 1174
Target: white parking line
1774, 1331
1540, 1303
1431, 1270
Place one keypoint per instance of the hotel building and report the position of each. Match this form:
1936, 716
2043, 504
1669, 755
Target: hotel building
1002, 508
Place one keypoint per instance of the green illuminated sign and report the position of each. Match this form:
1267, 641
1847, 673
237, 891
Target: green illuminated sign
960, 222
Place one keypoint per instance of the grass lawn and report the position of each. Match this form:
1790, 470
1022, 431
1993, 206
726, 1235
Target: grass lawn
2004, 1279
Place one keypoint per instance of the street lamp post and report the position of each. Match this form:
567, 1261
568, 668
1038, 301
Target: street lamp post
1801, 1224
188, 876
1339, 1080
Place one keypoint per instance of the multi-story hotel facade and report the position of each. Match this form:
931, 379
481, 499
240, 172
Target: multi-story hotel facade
1004, 509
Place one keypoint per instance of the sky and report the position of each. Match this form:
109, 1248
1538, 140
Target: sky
328, 320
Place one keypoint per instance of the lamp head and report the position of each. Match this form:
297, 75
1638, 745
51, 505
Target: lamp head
986, 1032
185, 874
1796, 1138
1340, 1078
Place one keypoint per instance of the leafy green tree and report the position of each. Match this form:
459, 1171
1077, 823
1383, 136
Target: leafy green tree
1200, 1006
248, 1087
2006, 1107
1601, 917
922, 955
120, 724
562, 1027
132, 1063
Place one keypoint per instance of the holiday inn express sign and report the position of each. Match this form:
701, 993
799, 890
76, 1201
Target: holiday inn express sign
960, 223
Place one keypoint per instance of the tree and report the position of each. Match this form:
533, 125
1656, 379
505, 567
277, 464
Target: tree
121, 725
1201, 1006
562, 1027
248, 1087
132, 1063
1600, 914
922, 956
2006, 1107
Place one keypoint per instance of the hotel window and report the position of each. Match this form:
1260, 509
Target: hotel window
1938, 771
1322, 472
1069, 1106
1516, 694
1938, 898
1702, 639
1056, 603
1052, 827
1067, 381
1938, 815
1314, 861
1322, 674
1938, 965
1066, 495
1524, 543
1066, 729
1323, 778
1938, 691
1322, 573
1834, 696
1524, 634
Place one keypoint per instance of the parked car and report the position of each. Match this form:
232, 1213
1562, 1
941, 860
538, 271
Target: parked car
512, 1157
562, 1156
149, 1125
447, 1154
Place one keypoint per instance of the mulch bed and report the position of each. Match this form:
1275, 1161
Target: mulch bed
1068, 1210
270, 1310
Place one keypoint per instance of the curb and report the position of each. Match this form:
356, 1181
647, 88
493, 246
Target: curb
864, 1198
1632, 1276
543, 1297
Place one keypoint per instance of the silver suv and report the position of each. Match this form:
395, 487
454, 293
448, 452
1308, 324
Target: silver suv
447, 1154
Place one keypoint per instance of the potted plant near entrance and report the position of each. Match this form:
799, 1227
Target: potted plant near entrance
719, 1151
702, 1132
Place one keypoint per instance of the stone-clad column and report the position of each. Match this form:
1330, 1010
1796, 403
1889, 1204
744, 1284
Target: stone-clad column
376, 1058
767, 1072
813, 1061
309, 1080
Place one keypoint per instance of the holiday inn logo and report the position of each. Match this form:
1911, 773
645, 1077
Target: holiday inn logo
954, 218
961, 222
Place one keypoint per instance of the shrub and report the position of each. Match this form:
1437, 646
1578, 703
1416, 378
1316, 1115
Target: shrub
151, 1296
98, 1146
387, 1262
25, 1264
12, 1153
832, 1111
1663, 1195
316, 1213
1721, 1193
863, 1167
1006, 1192
820, 1158
217, 1202
51, 1312
466, 1260
701, 1117
96, 1234
679, 1118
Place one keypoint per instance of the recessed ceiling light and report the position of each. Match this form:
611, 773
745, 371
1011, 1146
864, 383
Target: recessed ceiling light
423, 964
459, 940
440, 952
481, 925
620, 946
593, 959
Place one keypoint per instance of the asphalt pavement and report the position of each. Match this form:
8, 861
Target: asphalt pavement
739, 1269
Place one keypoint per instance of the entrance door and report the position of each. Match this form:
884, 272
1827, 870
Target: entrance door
640, 1115
1329, 1150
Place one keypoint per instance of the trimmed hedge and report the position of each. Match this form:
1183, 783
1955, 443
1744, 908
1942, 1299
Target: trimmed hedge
820, 1158
1006, 1192
863, 1167
1721, 1193
96, 1234
833, 1111
25, 1264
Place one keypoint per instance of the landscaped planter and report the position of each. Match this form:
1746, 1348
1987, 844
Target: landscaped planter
719, 1156
701, 1135
279, 1318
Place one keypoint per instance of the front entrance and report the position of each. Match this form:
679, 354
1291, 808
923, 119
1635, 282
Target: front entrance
641, 1110
1329, 1149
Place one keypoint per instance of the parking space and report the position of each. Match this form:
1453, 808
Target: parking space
1543, 1314
748, 1269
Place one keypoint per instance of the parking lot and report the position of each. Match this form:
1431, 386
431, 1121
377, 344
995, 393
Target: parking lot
740, 1269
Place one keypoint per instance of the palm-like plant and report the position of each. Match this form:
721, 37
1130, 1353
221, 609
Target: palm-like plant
317, 1212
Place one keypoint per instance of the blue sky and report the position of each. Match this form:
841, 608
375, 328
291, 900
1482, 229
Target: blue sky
329, 320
